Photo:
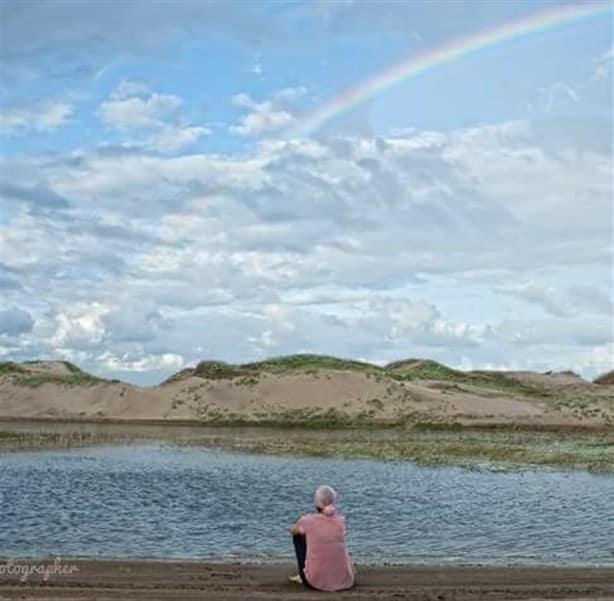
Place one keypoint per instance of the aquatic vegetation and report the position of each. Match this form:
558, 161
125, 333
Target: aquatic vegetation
430, 444
592, 451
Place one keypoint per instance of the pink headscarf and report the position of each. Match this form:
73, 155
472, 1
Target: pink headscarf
325, 499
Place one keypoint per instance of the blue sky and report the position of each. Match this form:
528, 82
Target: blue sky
158, 209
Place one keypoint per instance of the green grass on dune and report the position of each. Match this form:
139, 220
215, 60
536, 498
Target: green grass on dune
431, 370
307, 362
10, 367
406, 370
22, 376
302, 363
36, 380
411, 369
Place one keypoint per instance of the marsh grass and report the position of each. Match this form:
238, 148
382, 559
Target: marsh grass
14, 440
469, 447
593, 452
305, 419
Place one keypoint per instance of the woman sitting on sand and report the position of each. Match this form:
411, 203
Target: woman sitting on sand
319, 541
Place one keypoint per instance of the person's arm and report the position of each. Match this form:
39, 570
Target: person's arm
297, 528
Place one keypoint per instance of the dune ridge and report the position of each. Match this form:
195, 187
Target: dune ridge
311, 390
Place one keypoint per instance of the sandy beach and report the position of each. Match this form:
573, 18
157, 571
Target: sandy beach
153, 580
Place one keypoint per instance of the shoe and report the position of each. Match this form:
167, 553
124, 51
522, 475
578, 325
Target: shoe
296, 579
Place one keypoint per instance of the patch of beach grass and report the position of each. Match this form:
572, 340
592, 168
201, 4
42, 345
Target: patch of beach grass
408, 370
34, 380
26, 374
415, 369
10, 367
305, 418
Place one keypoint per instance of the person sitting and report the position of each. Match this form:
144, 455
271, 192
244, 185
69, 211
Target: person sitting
319, 541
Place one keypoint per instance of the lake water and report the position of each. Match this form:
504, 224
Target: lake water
166, 501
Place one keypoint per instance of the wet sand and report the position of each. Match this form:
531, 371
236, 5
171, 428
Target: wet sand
111, 580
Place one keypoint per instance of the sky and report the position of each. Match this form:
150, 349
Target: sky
162, 202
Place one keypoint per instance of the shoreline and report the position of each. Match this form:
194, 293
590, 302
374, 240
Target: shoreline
129, 579
307, 425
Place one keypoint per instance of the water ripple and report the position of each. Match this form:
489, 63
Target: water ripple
162, 501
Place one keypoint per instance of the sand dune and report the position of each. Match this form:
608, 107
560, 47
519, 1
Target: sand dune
310, 390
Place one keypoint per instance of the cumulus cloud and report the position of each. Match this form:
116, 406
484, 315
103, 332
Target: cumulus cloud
268, 116
42, 117
369, 247
135, 112
171, 138
165, 361
80, 325
418, 323
133, 108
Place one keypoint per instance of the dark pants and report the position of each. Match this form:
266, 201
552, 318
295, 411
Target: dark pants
300, 547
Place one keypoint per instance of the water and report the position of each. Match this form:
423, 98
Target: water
157, 500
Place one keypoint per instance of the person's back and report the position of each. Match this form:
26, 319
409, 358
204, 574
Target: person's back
328, 566
319, 540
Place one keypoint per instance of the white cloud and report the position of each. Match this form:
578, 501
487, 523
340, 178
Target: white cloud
125, 363
133, 108
269, 116
128, 88
597, 360
263, 119
173, 138
135, 112
418, 323
80, 325
539, 294
44, 117
395, 245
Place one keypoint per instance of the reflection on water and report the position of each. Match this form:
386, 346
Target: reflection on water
155, 500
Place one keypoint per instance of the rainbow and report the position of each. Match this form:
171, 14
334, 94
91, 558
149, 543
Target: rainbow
415, 65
